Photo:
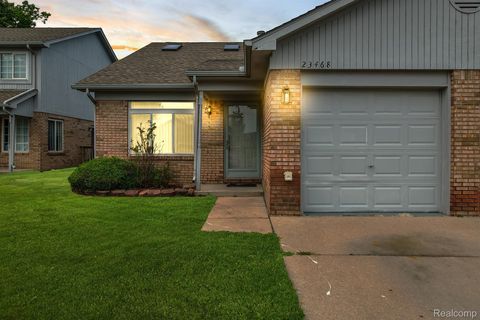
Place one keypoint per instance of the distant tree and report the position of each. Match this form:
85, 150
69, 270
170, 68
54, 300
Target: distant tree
24, 15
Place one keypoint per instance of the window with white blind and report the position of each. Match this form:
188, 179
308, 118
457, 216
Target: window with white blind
55, 135
173, 121
22, 135
13, 66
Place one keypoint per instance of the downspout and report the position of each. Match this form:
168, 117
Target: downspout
11, 138
198, 131
94, 133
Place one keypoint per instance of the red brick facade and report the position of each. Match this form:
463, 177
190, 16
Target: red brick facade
112, 139
77, 134
281, 143
465, 142
212, 143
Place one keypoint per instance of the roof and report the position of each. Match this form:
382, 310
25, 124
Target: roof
39, 35
267, 41
8, 94
150, 65
47, 36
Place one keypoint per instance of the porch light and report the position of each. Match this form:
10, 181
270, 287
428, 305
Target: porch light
208, 110
286, 95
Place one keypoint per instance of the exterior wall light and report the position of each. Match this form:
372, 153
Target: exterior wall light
208, 110
286, 95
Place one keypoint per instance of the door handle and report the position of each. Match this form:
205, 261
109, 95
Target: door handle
371, 166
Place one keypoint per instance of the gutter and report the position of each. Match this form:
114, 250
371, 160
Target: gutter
198, 131
127, 86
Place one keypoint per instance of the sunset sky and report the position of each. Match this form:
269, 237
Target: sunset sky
131, 24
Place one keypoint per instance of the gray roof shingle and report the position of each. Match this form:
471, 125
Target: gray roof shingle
151, 65
38, 35
7, 94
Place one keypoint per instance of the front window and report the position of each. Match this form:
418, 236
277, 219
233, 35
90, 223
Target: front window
55, 135
13, 66
174, 125
22, 135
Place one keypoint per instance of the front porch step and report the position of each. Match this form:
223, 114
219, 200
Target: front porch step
221, 190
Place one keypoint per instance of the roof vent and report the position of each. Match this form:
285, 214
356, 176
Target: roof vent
231, 47
466, 6
172, 47
260, 33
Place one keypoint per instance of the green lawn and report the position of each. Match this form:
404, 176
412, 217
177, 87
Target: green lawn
65, 256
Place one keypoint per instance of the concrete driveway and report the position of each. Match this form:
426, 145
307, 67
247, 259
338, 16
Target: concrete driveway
384, 267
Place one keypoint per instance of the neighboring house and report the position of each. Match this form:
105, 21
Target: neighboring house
357, 106
45, 124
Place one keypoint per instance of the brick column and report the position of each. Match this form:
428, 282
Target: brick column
212, 142
281, 143
465, 167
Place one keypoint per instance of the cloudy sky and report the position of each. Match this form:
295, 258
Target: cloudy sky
131, 24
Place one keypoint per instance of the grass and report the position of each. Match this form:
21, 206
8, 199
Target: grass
65, 256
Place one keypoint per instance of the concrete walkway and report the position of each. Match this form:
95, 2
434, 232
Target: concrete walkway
239, 214
383, 267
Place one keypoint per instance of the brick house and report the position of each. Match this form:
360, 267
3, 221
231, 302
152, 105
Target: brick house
357, 106
44, 123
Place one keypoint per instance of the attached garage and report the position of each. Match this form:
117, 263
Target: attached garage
373, 145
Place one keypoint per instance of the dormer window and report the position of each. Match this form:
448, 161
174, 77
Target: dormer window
13, 66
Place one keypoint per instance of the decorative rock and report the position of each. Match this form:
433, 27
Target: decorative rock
118, 193
168, 192
181, 191
191, 192
189, 186
143, 193
132, 193
102, 193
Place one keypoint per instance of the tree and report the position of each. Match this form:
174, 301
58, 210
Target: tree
24, 15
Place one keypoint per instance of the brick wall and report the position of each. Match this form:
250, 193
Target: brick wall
465, 167
112, 139
281, 143
212, 137
76, 134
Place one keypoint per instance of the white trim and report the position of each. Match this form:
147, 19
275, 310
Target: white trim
55, 134
27, 66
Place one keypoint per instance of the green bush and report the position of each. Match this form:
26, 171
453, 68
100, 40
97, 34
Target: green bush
104, 174
162, 176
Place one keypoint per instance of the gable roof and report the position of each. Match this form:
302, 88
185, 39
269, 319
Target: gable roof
6, 95
154, 68
268, 40
44, 37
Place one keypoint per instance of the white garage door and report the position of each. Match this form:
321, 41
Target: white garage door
371, 150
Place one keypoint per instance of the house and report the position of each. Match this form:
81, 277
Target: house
357, 106
45, 123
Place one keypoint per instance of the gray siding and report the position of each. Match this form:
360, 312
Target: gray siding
64, 64
386, 34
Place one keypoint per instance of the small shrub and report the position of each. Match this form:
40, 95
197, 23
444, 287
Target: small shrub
146, 149
104, 174
162, 176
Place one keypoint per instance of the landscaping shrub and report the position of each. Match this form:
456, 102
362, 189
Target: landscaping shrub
104, 174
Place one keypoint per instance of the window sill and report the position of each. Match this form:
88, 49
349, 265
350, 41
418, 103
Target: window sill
169, 157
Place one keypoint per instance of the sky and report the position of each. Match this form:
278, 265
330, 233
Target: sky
132, 24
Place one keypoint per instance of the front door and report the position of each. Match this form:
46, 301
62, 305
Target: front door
242, 141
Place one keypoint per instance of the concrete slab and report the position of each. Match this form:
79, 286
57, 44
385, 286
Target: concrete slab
397, 236
247, 214
383, 267
384, 287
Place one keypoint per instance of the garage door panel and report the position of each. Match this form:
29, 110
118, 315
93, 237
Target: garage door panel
353, 135
353, 197
422, 135
319, 135
388, 197
374, 150
321, 165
